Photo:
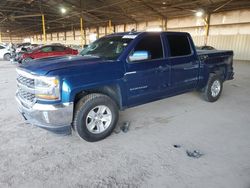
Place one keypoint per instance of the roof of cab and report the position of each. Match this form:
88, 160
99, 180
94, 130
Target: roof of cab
143, 32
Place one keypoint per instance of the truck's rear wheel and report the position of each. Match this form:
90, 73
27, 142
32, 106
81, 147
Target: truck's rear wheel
213, 89
95, 117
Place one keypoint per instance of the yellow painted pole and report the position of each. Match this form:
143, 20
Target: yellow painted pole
81, 23
110, 27
207, 22
44, 31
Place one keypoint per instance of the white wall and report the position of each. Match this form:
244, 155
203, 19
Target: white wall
228, 31
7, 38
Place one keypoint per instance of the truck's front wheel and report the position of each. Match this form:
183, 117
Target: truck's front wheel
213, 89
95, 117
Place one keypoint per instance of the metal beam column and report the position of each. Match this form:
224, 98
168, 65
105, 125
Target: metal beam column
81, 23
44, 31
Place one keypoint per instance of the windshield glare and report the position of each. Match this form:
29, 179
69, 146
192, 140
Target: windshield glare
109, 48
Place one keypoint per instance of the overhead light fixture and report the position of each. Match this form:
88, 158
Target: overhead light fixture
199, 13
63, 10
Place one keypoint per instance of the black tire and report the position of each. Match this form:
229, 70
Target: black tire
84, 106
207, 93
6, 57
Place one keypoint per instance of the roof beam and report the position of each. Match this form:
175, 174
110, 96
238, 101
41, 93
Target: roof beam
151, 8
220, 7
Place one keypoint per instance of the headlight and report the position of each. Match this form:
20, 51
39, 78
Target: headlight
47, 88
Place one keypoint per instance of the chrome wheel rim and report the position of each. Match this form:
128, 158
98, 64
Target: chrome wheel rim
215, 88
98, 119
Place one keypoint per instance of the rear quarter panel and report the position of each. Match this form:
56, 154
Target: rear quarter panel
213, 61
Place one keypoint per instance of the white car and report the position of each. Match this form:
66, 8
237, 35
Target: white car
4, 53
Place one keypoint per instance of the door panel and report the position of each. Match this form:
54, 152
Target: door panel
44, 52
143, 81
59, 51
183, 60
184, 72
142, 77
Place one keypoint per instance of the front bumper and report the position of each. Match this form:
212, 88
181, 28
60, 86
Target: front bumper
56, 118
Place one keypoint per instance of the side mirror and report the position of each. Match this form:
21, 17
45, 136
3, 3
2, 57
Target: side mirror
85, 46
139, 56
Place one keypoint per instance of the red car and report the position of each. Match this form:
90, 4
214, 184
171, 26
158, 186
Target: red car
47, 51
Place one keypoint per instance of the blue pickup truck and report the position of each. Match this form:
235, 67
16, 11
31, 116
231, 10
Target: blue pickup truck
118, 71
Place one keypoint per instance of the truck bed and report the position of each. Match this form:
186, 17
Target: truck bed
212, 53
214, 60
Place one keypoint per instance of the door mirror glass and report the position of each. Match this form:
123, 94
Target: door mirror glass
139, 56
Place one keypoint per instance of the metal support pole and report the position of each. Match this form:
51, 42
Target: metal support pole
110, 27
85, 36
98, 32
81, 23
10, 38
164, 24
207, 25
74, 33
44, 31
106, 31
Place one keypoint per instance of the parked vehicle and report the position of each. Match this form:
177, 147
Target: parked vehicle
5, 52
22, 47
16, 55
32, 47
116, 72
76, 47
47, 51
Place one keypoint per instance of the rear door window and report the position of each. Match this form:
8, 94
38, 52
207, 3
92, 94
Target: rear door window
178, 45
47, 49
58, 48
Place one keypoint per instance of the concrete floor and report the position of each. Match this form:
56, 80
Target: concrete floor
142, 157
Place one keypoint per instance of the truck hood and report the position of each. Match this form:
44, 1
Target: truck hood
45, 65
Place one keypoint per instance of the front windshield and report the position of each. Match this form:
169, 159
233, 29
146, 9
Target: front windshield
109, 48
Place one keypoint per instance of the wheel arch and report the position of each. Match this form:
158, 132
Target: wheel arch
113, 91
7, 53
220, 71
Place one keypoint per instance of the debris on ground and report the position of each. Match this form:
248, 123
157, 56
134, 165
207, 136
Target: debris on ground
125, 126
177, 145
117, 130
194, 153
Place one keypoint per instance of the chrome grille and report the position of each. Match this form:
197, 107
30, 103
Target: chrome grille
27, 96
26, 88
29, 82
